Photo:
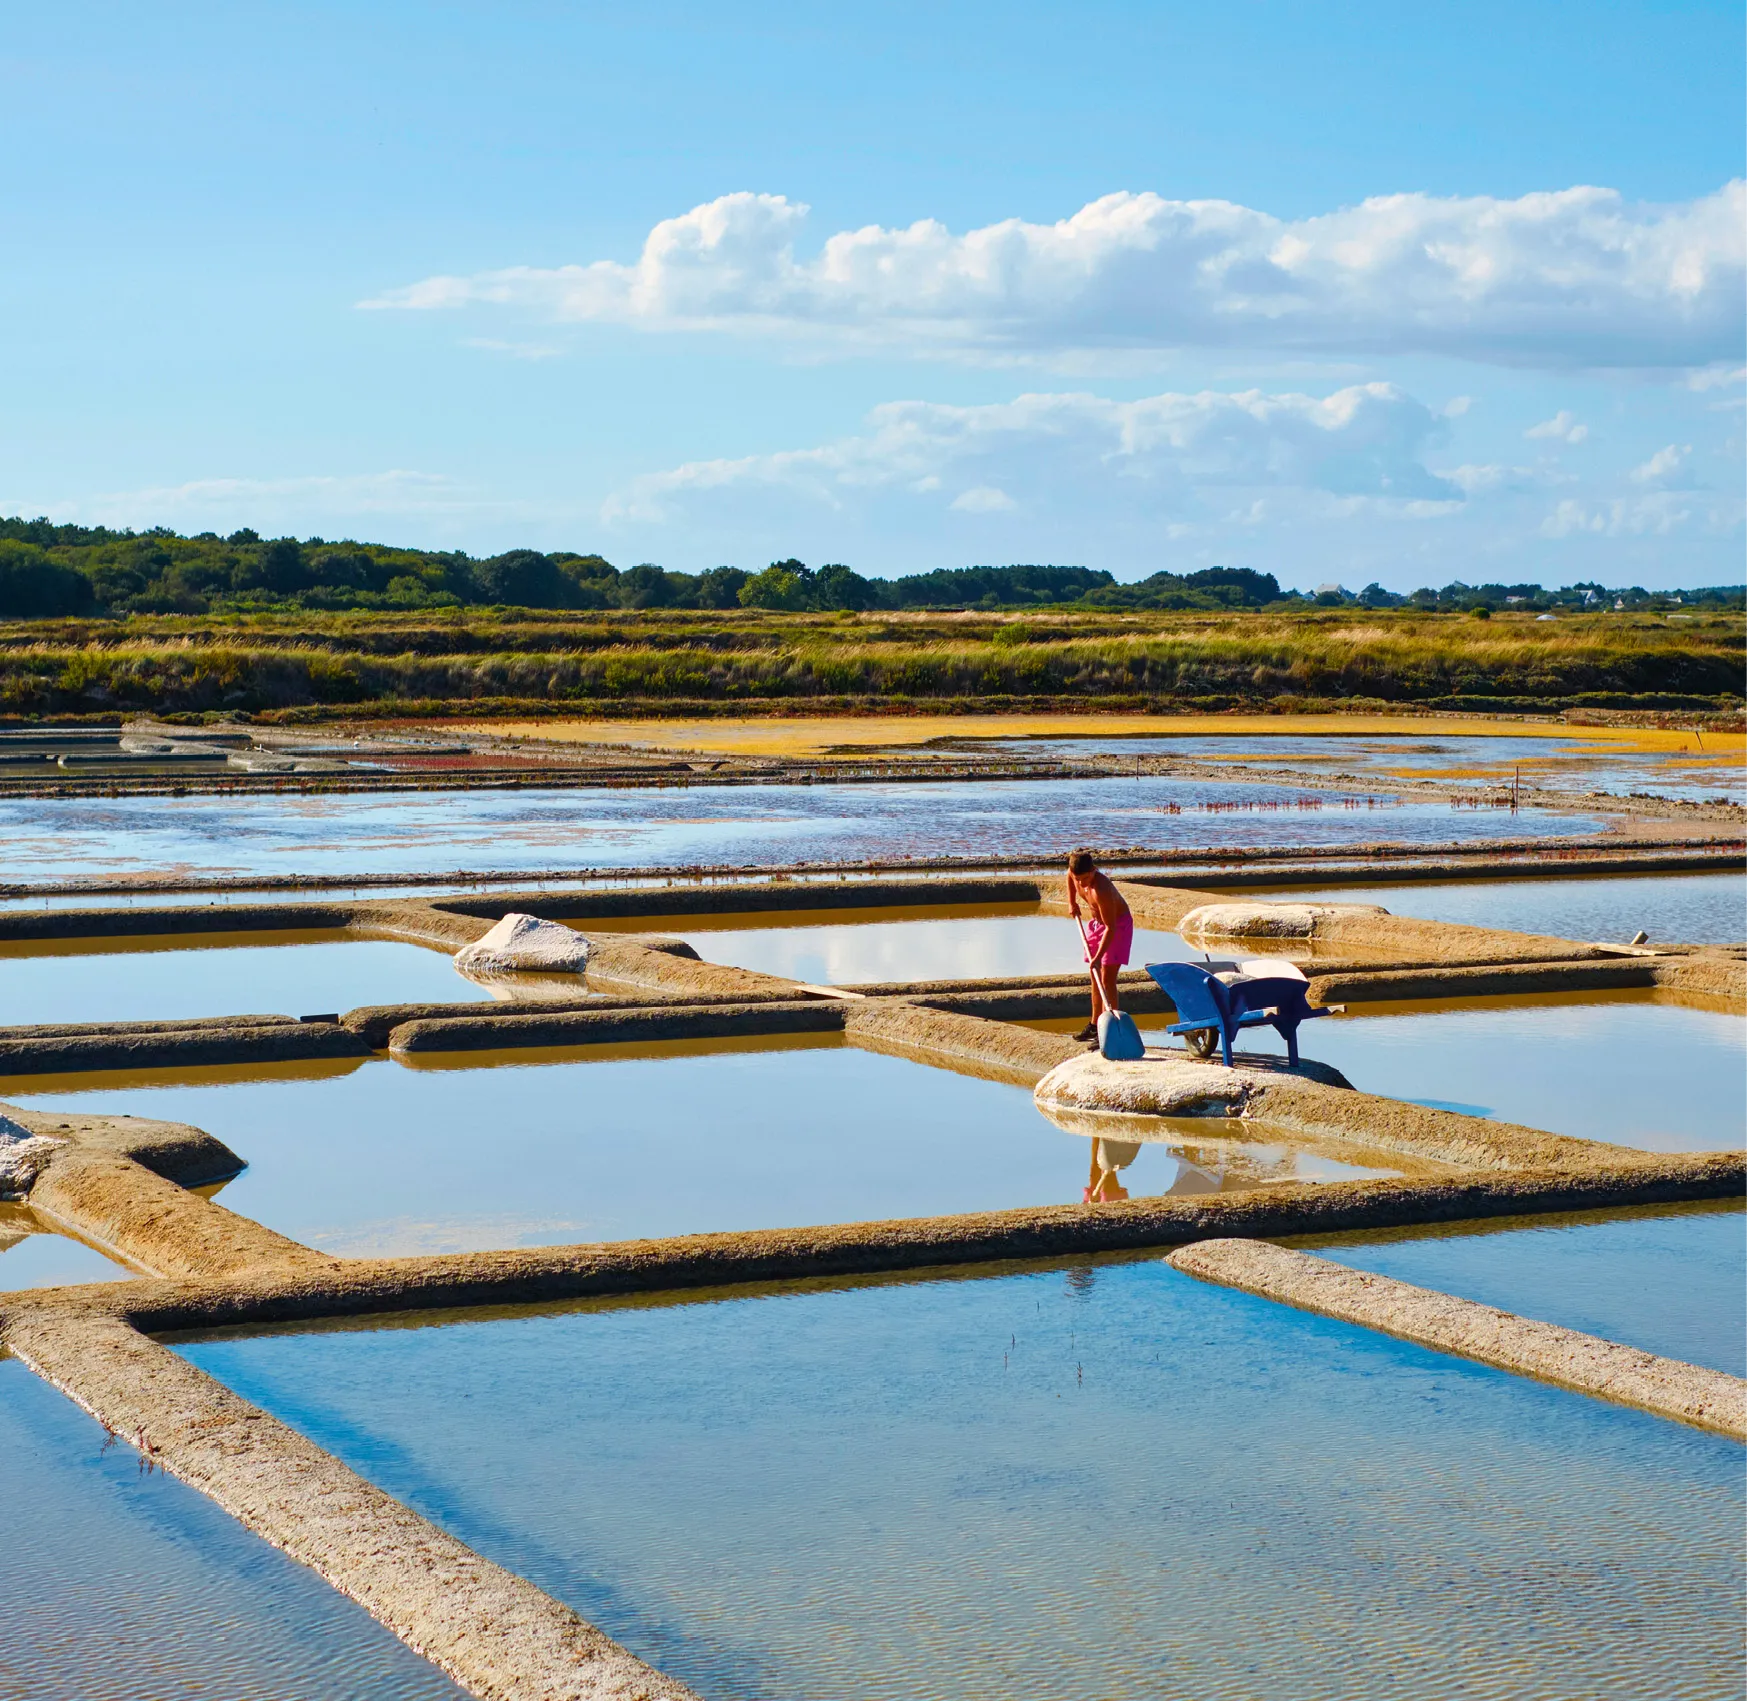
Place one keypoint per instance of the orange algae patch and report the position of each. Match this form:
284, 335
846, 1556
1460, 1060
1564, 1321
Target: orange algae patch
816, 735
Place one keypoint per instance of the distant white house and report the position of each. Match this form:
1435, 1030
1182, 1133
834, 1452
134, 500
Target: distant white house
1330, 591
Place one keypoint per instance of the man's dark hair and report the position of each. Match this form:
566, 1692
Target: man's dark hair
1081, 863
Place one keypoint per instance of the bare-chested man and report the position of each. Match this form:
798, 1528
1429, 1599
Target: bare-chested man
1109, 933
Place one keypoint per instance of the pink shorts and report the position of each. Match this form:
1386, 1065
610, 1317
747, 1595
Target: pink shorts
1121, 941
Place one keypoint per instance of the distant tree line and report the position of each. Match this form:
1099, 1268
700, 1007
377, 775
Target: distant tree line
65, 570
1457, 597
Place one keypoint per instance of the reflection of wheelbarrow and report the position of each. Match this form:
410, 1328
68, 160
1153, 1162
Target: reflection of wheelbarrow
1211, 1009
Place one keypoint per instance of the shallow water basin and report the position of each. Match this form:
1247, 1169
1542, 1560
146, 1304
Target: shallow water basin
131, 1586
751, 825
928, 942
1691, 766
1106, 1481
1622, 1067
1682, 909
1672, 1281
33, 1255
667, 1139
234, 974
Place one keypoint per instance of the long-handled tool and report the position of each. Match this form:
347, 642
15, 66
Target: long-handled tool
1118, 1037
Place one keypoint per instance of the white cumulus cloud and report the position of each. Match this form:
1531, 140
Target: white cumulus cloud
1664, 466
1562, 428
1573, 277
1166, 456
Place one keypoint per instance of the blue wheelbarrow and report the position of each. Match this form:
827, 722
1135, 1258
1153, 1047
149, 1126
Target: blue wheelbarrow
1211, 1012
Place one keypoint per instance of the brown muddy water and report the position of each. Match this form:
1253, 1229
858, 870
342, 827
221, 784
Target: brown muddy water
1101, 1481
379, 1159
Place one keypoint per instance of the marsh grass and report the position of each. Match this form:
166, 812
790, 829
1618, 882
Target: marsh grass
466, 661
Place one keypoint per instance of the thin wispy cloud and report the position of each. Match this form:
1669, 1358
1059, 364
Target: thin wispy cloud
1576, 277
1163, 455
331, 504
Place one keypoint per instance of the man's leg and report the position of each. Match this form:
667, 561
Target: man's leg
1105, 978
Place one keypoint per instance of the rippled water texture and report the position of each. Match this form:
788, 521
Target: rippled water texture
114, 980
61, 838
387, 1159
1105, 1483
1672, 1284
124, 1587
1685, 909
1620, 1068
1554, 761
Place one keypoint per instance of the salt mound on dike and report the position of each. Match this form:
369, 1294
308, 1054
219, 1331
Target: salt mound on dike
22, 1155
1161, 1084
525, 942
1266, 921
1165, 1083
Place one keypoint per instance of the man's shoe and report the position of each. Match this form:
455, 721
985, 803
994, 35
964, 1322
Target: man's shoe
1089, 1032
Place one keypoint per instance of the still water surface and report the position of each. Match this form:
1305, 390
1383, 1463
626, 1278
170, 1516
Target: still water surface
1112, 1482
31, 1256
773, 826
386, 1159
1683, 909
114, 980
1555, 761
940, 947
129, 1587
1674, 1284
1616, 1067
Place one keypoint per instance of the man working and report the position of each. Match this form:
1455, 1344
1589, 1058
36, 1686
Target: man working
1109, 933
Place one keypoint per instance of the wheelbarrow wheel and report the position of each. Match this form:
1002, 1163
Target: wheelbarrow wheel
1202, 1042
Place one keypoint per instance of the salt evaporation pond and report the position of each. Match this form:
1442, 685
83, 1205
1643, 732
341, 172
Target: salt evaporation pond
33, 1256
382, 1159
1617, 1067
1673, 1282
1681, 909
1553, 760
132, 1586
869, 946
1107, 1481
167, 978
773, 826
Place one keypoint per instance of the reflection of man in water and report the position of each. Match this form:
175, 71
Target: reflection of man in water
1109, 933
1108, 1156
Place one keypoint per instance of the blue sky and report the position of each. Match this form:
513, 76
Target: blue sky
380, 271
